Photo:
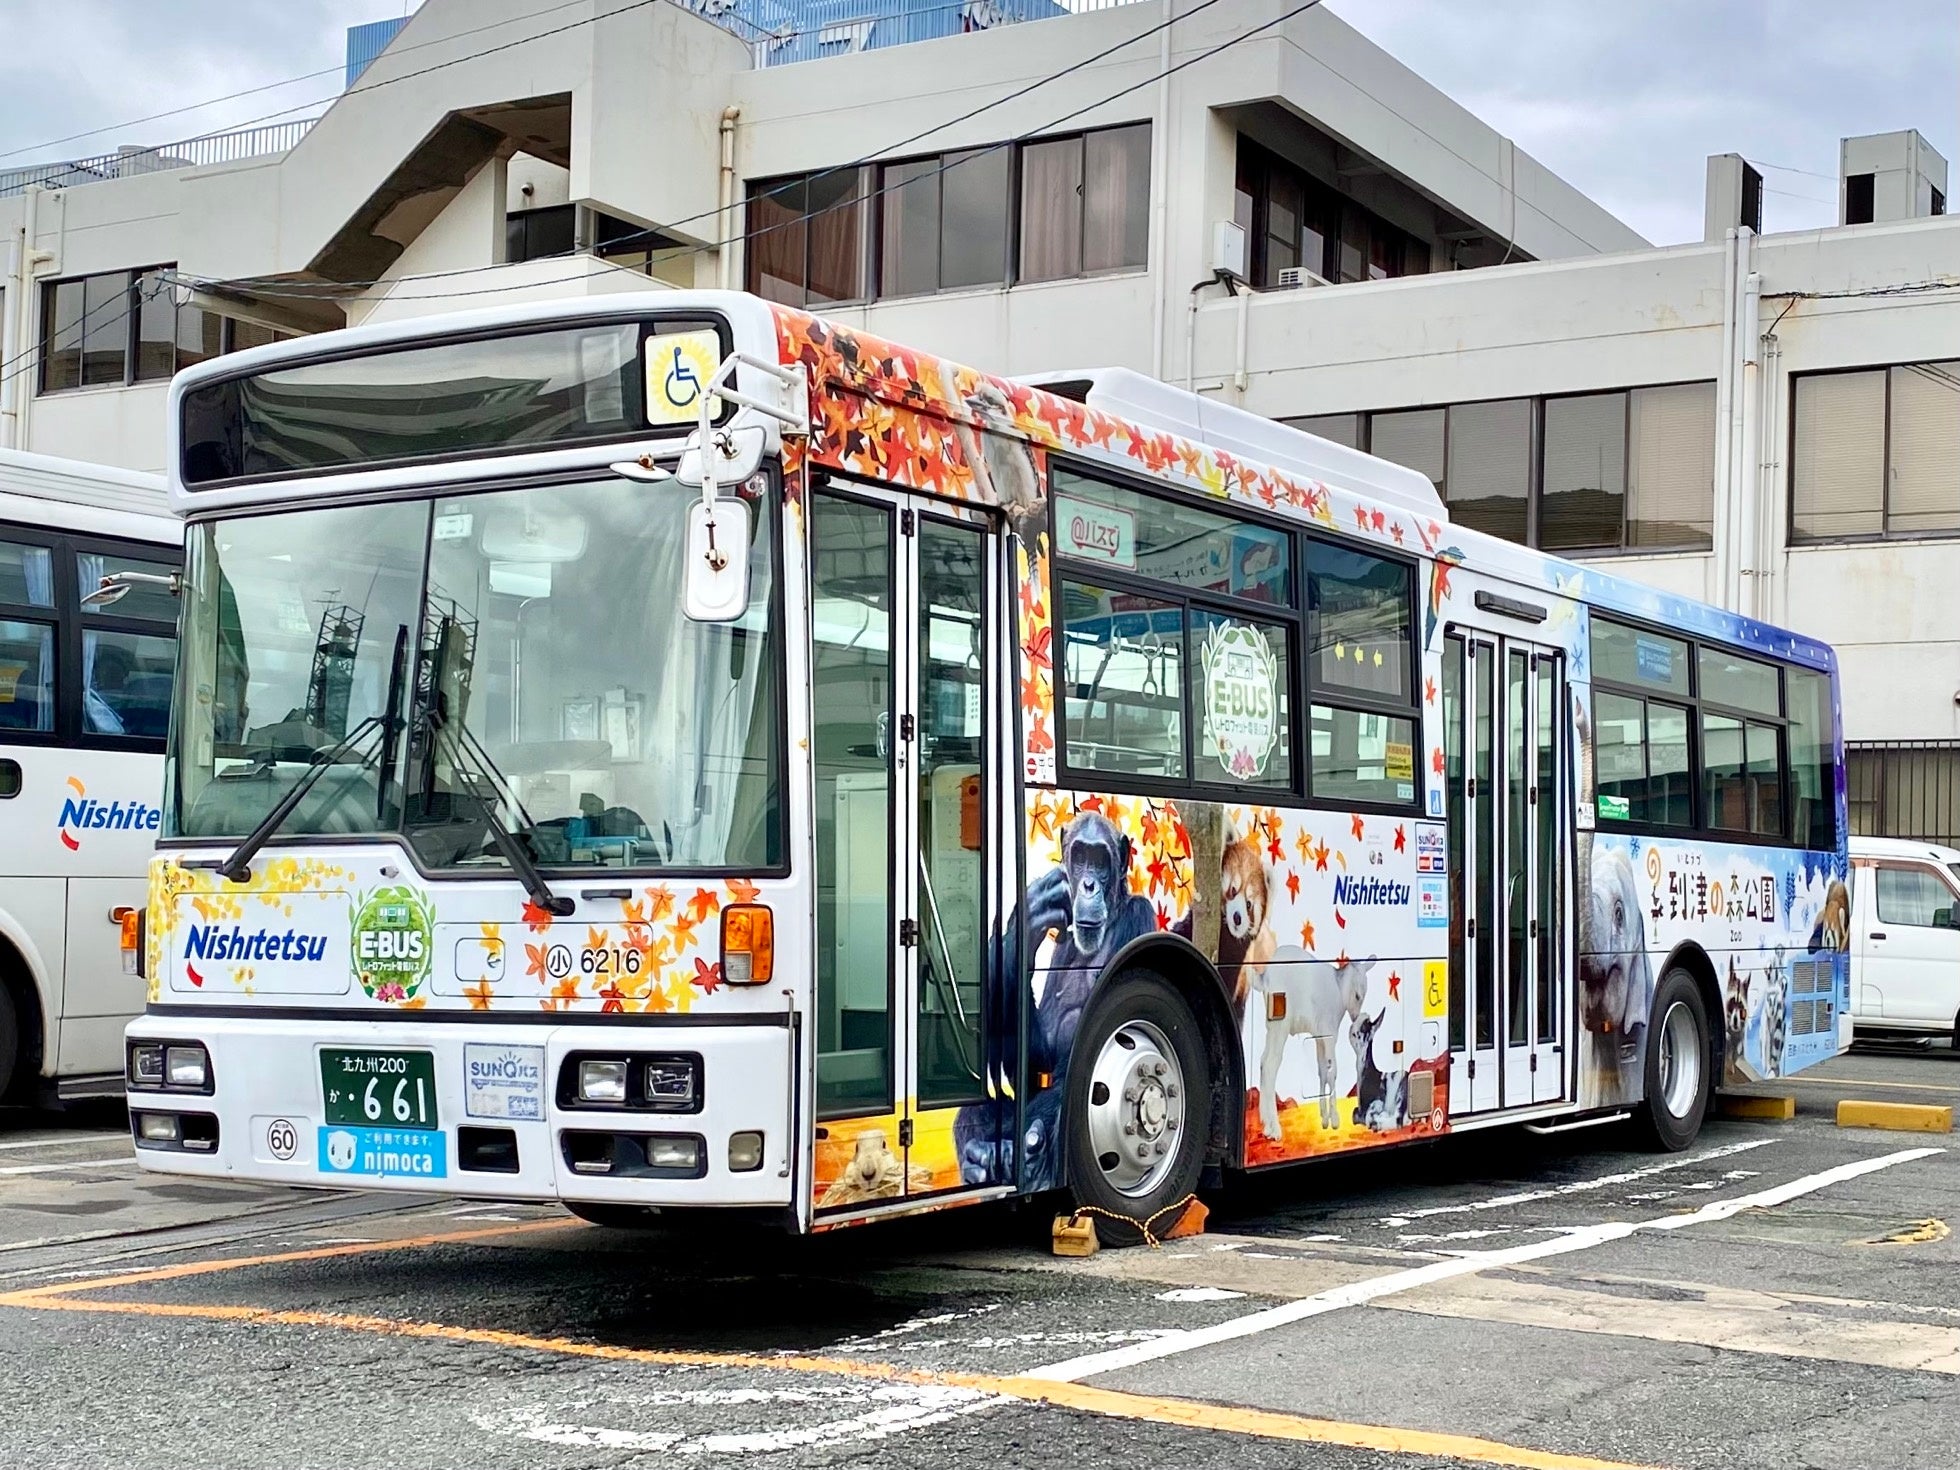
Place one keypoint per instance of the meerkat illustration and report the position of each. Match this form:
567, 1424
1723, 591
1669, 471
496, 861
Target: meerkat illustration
874, 1173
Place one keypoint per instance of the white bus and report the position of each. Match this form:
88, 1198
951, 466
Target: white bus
865, 785
84, 705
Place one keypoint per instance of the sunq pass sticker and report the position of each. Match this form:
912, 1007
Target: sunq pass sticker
393, 943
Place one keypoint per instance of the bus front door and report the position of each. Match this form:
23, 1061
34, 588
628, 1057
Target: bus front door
911, 798
1509, 812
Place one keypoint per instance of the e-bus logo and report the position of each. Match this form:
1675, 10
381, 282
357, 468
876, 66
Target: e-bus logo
393, 943
82, 812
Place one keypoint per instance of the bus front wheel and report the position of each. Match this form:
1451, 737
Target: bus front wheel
1139, 1099
1678, 1065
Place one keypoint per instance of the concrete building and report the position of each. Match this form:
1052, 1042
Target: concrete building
1755, 419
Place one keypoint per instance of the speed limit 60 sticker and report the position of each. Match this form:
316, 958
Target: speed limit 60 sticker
276, 1140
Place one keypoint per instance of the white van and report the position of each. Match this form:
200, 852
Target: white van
1905, 944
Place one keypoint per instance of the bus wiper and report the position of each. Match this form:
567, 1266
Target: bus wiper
508, 843
237, 867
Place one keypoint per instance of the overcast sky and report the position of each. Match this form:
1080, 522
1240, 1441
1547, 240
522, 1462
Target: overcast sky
1623, 98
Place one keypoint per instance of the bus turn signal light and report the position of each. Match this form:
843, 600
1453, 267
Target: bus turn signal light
748, 944
130, 920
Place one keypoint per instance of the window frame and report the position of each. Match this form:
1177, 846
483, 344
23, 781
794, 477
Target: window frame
1938, 873
1792, 536
1535, 491
1293, 616
884, 196
1700, 825
132, 331
68, 619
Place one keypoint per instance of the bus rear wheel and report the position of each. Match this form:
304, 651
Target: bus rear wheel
1678, 1066
1139, 1098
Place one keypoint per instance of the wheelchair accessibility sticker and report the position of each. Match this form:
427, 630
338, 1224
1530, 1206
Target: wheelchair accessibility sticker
678, 368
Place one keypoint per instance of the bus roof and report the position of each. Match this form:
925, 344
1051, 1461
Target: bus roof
1259, 452
70, 495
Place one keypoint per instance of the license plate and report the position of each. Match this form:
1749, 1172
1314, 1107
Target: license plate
379, 1089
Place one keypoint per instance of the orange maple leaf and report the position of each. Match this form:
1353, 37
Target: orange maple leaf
1040, 742
1320, 857
1355, 822
534, 956
702, 904
479, 994
1292, 884
740, 890
662, 899
1306, 937
597, 938
537, 920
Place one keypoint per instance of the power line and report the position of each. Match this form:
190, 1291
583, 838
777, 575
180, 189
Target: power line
20, 363
393, 51
274, 290
882, 153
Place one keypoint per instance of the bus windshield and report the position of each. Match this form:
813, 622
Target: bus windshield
511, 656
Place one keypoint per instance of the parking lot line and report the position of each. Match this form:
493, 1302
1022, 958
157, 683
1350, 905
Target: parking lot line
1356, 1293
1110, 1403
116, 1163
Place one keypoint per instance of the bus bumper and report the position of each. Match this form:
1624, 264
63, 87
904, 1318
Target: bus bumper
506, 1121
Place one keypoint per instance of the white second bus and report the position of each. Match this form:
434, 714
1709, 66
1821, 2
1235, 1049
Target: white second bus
84, 703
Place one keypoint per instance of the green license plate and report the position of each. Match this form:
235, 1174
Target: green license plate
379, 1089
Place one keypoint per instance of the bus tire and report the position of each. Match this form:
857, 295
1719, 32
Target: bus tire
1678, 1066
9, 1038
612, 1216
1139, 1091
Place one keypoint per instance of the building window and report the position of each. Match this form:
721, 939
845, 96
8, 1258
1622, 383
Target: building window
1292, 219
949, 221
807, 237
1632, 470
1085, 203
1873, 453
120, 327
534, 234
944, 222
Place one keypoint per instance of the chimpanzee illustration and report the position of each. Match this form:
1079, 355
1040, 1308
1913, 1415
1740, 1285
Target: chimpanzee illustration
1086, 903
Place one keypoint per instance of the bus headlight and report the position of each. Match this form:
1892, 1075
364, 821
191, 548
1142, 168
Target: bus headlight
677, 1152
145, 1064
670, 1083
187, 1066
602, 1080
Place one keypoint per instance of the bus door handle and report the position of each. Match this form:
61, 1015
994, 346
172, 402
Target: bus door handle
9, 779
1877, 934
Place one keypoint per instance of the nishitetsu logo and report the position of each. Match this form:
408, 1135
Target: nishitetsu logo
83, 813
235, 944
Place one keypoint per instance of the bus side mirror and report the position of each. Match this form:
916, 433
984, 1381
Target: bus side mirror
715, 575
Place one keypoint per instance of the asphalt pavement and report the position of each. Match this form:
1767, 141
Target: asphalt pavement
1781, 1294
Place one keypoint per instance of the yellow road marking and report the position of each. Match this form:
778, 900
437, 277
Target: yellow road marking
1920, 1232
317, 1253
1110, 1403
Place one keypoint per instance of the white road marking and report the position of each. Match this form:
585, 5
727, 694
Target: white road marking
1578, 1186
56, 1140
882, 1411
1198, 1294
123, 1163
1586, 1237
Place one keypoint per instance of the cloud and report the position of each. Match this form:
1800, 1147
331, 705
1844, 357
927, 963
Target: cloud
82, 64
1625, 101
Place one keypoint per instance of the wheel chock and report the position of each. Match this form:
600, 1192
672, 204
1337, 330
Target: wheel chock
1191, 1222
1906, 1117
1760, 1107
1075, 1235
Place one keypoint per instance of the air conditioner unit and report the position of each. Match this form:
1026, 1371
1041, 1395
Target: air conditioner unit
1292, 277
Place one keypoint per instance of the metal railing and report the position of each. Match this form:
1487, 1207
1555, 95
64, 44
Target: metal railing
783, 31
189, 153
1905, 788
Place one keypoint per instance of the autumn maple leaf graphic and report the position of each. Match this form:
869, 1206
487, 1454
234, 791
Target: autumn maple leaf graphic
707, 976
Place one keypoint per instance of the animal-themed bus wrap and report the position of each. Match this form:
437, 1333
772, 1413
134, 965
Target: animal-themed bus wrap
1775, 921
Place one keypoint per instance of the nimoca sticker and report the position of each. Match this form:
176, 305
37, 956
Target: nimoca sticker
1241, 698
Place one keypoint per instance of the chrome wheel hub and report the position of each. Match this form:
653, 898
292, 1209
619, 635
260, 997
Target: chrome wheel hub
1680, 1060
1137, 1108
